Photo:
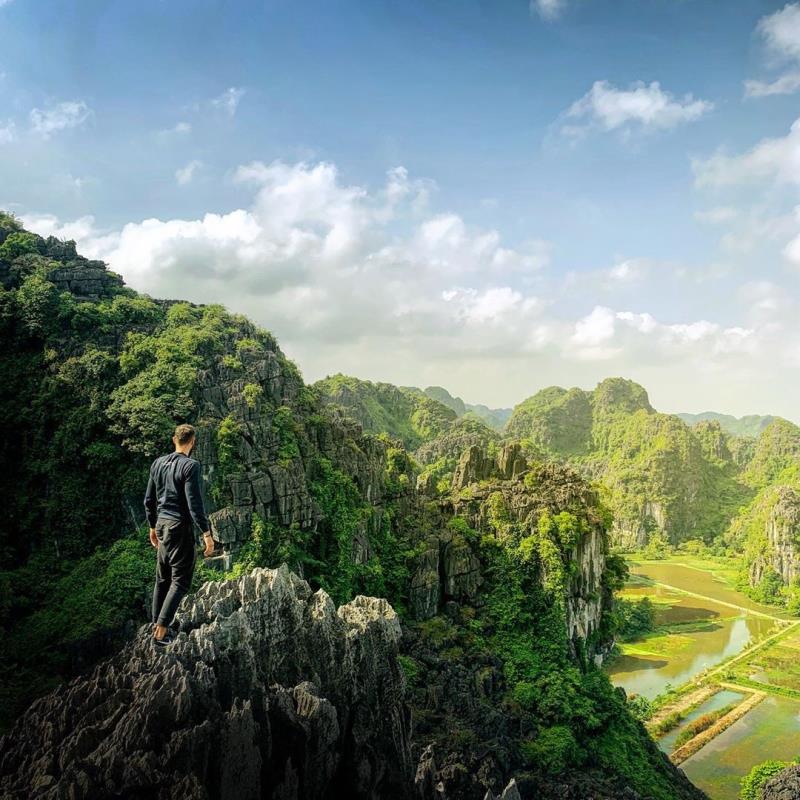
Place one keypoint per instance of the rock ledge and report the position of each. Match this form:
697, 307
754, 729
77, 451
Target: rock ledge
268, 691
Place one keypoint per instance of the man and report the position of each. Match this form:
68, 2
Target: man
172, 502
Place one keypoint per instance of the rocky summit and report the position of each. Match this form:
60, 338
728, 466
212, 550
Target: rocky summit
268, 691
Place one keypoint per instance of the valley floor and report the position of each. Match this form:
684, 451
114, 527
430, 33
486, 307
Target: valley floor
723, 671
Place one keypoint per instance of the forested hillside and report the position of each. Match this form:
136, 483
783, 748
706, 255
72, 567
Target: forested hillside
498, 566
665, 482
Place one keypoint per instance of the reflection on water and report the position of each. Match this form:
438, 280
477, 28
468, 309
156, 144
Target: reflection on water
770, 730
649, 675
714, 703
695, 580
676, 658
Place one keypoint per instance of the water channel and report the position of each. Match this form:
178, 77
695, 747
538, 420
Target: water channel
719, 622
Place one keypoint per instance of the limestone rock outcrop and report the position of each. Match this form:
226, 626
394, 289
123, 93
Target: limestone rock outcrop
783, 786
782, 537
261, 396
268, 691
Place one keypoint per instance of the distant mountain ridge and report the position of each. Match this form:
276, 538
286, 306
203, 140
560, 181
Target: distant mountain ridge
665, 478
749, 425
494, 418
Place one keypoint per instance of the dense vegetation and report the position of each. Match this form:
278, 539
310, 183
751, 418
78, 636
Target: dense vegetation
669, 484
410, 416
754, 781
95, 378
661, 476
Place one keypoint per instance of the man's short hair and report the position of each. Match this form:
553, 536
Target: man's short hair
184, 434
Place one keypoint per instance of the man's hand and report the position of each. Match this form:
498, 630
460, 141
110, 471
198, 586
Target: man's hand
153, 538
209, 541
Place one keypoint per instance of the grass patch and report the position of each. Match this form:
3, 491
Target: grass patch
701, 723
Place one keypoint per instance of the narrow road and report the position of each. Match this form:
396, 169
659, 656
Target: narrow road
748, 652
718, 602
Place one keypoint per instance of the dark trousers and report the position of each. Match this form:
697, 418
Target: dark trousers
174, 568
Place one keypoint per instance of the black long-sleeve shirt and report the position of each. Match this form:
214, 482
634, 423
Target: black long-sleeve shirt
173, 491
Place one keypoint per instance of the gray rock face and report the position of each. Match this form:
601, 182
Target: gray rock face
426, 587
632, 534
268, 691
476, 465
783, 786
271, 459
583, 603
511, 792
783, 538
88, 279
462, 571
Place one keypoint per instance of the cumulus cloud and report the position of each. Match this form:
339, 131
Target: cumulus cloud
185, 174
319, 257
177, 130
59, 117
642, 106
604, 334
229, 100
777, 159
548, 9
781, 31
374, 282
780, 34
788, 83
8, 132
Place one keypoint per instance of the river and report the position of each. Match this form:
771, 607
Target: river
721, 622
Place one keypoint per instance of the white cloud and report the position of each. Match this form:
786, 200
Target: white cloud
593, 334
229, 100
785, 84
548, 9
363, 280
644, 106
605, 334
628, 271
82, 229
59, 117
326, 260
8, 132
184, 175
792, 250
780, 33
777, 159
177, 130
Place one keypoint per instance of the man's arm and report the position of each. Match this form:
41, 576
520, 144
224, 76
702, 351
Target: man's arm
194, 497
151, 507
151, 501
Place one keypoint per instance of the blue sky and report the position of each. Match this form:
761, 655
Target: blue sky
491, 196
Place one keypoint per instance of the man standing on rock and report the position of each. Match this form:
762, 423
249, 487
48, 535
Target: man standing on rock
173, 502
